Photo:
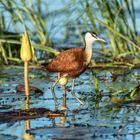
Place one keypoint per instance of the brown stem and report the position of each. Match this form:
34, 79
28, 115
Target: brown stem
26, 81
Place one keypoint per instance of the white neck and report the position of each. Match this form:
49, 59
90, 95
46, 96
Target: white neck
89, 39
88, 51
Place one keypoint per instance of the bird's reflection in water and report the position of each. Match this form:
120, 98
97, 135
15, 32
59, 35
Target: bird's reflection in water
62, 121
65, 111
56, 121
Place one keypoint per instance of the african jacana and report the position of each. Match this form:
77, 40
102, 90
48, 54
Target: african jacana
71, 63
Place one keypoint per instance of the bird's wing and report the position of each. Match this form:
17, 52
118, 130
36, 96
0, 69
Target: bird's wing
67, 61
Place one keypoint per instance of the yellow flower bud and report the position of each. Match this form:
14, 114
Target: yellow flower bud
25, 51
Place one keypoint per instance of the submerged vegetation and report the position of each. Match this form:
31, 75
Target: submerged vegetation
115, 19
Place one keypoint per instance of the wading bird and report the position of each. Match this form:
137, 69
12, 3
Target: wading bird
71, 63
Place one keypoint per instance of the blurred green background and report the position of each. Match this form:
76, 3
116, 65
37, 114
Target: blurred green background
57, 25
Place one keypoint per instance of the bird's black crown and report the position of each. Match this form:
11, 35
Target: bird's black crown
92, 33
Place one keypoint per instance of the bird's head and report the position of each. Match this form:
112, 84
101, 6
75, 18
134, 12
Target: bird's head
91, 37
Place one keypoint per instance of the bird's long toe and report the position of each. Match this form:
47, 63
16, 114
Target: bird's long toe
80, 101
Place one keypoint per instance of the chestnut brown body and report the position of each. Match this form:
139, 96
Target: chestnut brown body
69, 63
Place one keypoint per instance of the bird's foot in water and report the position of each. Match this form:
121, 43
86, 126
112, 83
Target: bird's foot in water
59, 107
80, 102
63, 107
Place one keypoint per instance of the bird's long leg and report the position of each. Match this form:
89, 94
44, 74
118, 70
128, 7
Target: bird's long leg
53, 93
64, 96
73, 93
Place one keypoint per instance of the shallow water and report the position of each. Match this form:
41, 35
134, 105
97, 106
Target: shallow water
99, 118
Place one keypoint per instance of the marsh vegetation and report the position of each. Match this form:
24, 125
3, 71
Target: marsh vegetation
50, 29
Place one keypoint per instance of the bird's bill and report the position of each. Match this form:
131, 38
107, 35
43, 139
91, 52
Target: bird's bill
102, 40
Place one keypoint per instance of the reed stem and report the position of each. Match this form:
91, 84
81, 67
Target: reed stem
26, 81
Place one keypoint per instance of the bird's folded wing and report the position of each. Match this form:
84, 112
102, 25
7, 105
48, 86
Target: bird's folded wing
70, 60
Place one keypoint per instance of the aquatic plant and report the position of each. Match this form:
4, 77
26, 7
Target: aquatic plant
26, 56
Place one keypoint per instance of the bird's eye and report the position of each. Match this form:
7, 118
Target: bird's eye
94, 35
